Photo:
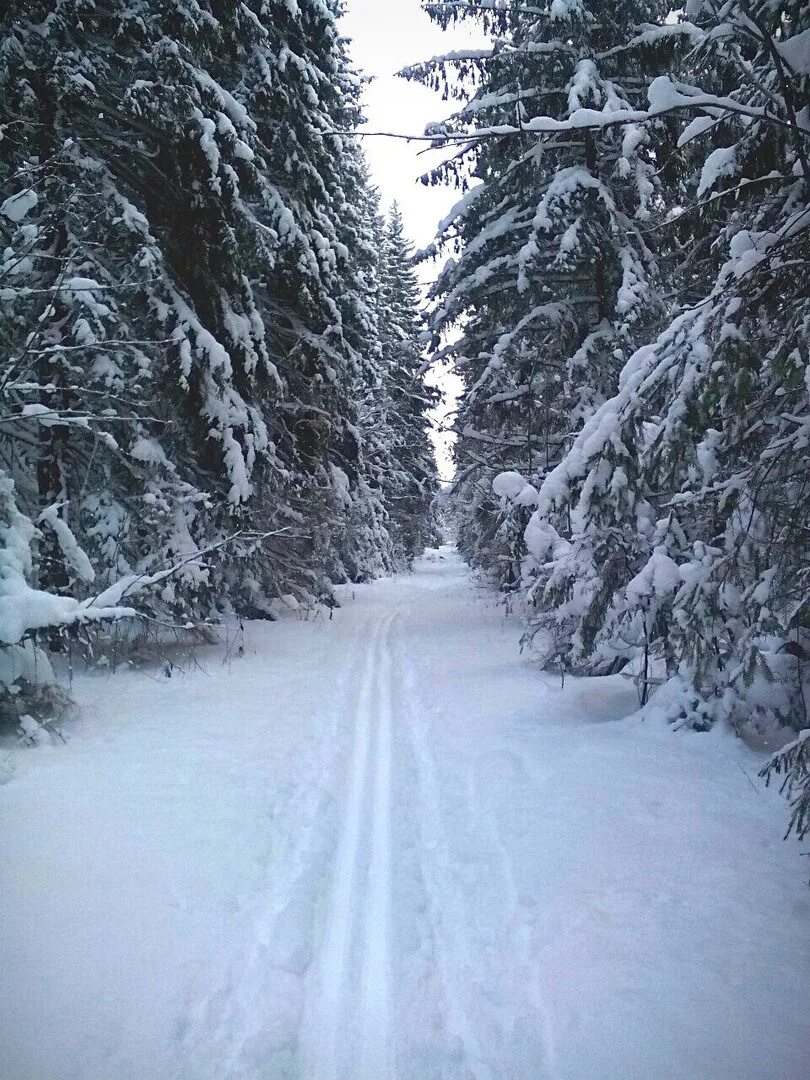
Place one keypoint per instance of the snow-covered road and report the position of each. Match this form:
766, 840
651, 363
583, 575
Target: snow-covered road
385, 846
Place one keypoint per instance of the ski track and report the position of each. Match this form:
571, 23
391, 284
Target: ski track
225, 1020
437, 882
376, 1035
337, 1040
446, 910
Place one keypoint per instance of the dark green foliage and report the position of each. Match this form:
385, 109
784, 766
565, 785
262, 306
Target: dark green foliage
189, 332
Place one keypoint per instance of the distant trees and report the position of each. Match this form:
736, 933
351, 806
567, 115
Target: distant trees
412, 480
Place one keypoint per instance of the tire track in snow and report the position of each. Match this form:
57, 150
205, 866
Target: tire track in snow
330, 1033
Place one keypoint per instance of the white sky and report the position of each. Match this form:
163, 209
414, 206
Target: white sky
387, 35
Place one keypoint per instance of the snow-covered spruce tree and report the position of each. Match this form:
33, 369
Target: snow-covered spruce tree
553, 283
412, 480
364, 546
171, 233
717, 406
331, 334
391, 518
80, 401
27, 681
792, 764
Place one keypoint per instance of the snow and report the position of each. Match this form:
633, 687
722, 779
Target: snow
527, 496
512, 487
23, 608
695, 128
383, 843
21, 663
208, 142
663, 97
720, 163
660, 578
584, 85
796, 52
460, 208
34, 732
341, 485
508, 485
542, 539
144, 449
15, 207
565, 9
75, 556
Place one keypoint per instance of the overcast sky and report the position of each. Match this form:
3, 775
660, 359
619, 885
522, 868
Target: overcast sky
388, 35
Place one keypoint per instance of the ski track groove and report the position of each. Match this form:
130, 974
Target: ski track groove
222, 1018
376, 1055
347, 1028
447, 916
329, 1032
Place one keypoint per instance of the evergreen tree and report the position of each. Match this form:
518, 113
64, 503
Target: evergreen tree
412, 477
716, 405
671, 533
366, 546
179, 278
555, 279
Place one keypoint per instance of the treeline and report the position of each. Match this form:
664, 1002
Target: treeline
209, 336
628, 303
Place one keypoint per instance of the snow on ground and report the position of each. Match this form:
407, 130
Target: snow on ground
384, 845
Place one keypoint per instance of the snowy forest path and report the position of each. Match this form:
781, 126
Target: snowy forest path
382, 845
343, 1001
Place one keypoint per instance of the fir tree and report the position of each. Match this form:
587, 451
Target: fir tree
412, 480
555, 278
715, 406
670, 534
178, 233
366, 546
